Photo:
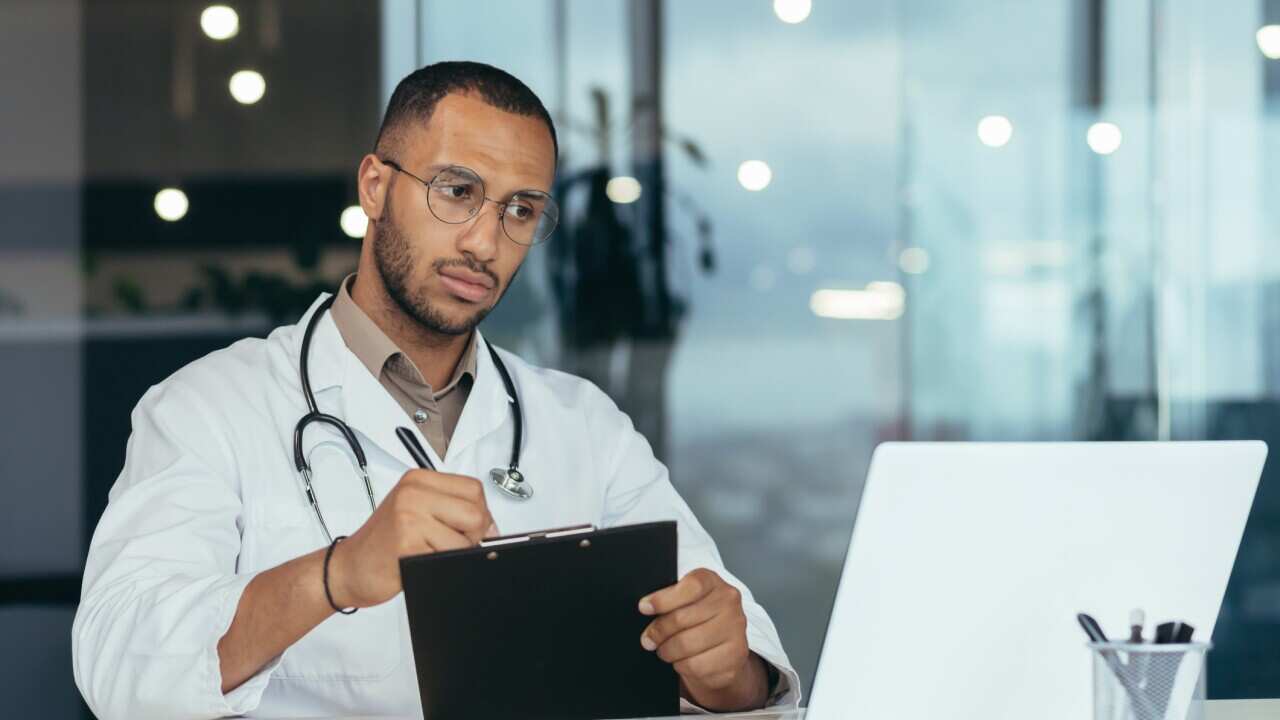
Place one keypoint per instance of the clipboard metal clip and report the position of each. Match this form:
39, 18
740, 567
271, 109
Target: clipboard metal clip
540, 534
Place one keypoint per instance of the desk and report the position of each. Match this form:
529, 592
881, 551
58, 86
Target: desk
1215, 710
1242, 709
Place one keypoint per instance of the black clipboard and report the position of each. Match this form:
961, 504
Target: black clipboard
546, 627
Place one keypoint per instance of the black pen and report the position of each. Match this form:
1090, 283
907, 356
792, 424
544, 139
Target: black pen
1169, 633
410, 442
1174, 632
1091, 627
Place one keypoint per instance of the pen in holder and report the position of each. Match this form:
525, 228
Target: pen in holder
1134, 681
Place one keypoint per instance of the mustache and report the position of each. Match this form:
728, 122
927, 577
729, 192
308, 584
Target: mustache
474, 267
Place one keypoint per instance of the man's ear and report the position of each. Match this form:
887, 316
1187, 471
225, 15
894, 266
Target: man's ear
373, 180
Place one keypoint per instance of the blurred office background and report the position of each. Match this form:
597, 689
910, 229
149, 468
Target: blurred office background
793, 230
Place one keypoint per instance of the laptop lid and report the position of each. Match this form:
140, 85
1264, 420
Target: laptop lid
969, 561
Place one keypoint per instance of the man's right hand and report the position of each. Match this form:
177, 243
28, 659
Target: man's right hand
425, 512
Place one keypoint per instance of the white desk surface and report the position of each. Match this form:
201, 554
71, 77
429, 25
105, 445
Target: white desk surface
1216, 710
1242, 709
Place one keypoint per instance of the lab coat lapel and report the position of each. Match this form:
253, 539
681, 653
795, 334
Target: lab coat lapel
486, 410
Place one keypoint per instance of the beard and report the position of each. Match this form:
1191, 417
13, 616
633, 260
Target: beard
394, 257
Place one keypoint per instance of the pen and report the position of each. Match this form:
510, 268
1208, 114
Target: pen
1174, 632
1140, 661
415, 448
1091, 627
1137, 619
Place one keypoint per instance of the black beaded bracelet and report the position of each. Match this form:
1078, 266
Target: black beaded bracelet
328, 596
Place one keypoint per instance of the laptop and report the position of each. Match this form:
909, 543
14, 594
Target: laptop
969, 562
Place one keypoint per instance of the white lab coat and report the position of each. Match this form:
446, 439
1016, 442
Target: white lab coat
209, 496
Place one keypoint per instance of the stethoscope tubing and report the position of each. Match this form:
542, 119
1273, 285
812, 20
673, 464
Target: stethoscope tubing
511, 481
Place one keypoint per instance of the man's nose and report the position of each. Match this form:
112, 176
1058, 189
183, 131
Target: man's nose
480, 237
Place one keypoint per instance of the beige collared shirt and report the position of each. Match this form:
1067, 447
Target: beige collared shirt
436, 412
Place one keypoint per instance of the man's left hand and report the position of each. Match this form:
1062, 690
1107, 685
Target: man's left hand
702, 631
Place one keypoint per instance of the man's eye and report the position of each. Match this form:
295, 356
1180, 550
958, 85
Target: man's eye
455, 192
520, 212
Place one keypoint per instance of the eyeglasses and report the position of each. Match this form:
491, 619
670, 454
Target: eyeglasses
456, 194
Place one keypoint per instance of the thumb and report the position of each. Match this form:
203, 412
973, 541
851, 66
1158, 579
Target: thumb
492, 532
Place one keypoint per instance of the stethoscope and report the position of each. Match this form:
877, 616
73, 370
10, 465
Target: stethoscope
509, 479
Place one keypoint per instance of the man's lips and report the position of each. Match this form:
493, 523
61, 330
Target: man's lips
469, 286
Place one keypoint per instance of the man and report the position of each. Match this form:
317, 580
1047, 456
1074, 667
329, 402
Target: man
210, 588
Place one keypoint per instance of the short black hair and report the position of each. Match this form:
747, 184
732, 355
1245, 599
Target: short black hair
416, 96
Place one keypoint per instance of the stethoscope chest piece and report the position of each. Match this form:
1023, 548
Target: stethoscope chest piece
511, 481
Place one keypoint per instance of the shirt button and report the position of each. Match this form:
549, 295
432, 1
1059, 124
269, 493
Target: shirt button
420, 416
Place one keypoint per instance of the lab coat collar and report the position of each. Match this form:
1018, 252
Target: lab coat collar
371, 411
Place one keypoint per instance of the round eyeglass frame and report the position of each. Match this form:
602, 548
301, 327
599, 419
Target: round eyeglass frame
502, 217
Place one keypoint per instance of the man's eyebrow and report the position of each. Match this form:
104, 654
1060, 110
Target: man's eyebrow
531, 189
430, 171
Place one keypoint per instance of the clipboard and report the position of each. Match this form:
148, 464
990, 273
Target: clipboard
542, 626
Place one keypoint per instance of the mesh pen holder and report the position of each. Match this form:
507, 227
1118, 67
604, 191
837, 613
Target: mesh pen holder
1134, 681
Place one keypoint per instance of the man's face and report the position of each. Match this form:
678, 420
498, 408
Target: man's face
447, 276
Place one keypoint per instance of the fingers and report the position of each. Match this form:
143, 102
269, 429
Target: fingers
675, 622
691, 588
425, 512
461, 486
465, 517
715, 667
454, 500
696, 628
693, 641
441, 537
701, 629
417, 534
